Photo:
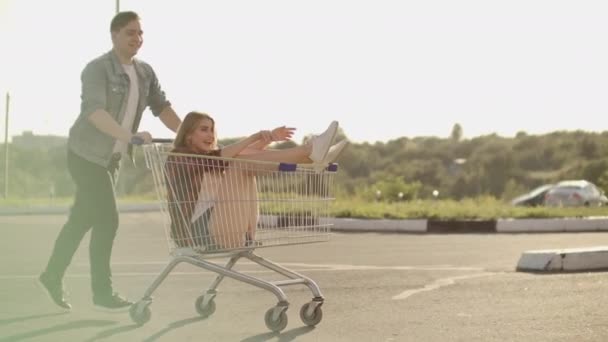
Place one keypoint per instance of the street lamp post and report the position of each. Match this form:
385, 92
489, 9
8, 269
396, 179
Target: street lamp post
8, 100
117, 6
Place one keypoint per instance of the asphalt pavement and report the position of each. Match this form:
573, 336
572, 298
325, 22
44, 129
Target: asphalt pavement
378, 286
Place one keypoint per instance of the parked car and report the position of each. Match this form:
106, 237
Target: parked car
533, 198
572, 193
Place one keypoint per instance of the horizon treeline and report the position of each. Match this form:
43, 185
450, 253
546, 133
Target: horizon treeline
396, 170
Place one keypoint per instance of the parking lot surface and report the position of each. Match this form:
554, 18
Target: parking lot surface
377, 287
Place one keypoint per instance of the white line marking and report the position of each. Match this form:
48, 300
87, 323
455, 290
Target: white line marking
301, 268
334, 267
339, 267
439, 283
131, 274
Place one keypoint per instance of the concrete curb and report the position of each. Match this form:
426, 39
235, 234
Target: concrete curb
461, 226
415, 226
359, 225
589, 224
564, 260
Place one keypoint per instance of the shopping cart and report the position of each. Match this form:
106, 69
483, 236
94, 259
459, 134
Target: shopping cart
227, 208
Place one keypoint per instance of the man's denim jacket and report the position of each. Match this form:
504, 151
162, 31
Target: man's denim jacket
105, 85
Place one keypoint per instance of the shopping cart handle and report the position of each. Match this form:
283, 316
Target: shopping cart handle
162, 140
136, 140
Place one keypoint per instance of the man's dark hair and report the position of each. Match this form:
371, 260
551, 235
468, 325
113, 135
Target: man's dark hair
122, 19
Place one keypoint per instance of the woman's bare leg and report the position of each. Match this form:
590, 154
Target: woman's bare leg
251, 192
235, 212
299, 154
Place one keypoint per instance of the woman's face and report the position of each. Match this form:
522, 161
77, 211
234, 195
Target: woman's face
203, 137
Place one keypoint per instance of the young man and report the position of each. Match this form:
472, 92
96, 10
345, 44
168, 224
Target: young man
116, 88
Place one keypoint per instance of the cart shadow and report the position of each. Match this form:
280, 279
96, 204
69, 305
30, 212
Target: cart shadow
80, 324
285, 336
27, 318
173, 326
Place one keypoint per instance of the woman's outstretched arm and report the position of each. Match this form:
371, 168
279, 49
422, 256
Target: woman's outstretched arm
258, 141
282, 133
260, 137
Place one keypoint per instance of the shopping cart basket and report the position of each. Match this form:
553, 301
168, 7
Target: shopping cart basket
227, 208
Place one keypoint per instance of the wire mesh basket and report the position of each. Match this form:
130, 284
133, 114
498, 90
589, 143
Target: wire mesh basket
212, 204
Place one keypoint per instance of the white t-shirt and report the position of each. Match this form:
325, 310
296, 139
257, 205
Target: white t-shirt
131, 109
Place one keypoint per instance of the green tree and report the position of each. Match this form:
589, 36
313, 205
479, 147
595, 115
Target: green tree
456, 134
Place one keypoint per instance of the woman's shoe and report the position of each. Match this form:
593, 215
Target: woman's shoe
334, 152
249, 242
322, 142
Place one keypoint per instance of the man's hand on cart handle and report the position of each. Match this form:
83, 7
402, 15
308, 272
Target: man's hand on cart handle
141, 138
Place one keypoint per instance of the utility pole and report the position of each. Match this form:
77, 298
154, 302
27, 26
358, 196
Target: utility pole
117, 6
8, 100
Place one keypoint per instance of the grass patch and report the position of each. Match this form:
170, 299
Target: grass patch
483, 208
470, 209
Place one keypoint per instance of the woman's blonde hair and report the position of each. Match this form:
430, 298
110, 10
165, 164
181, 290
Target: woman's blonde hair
189, 125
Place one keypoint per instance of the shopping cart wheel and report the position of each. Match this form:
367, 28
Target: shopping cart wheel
205, 310
276, 324
140, 313
311, 319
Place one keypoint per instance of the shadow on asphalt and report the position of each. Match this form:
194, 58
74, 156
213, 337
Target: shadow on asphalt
174, 325
111, 332
288, 335
27, 318
86, 323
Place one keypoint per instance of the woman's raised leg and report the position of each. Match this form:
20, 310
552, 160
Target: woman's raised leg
298, 154
235, 213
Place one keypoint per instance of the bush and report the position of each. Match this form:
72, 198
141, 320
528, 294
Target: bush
392, 190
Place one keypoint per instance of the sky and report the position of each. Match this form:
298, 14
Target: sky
384, 69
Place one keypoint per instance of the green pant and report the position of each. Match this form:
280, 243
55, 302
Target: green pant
94, 209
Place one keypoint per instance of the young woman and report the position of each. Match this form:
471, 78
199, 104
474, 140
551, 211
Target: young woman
202, 191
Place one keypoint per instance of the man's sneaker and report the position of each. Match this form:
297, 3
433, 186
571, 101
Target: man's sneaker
112, 302
335, 151
54, 288
322, 142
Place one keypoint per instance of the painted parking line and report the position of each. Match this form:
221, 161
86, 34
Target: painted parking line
304, 267
334, 267
301, 267
439, 283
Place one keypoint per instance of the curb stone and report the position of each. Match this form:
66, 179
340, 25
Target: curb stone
589, 224
373, 225
564, 260
461, 226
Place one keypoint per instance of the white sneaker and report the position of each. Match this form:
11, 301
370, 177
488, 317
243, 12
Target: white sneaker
322, 142
334, 152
